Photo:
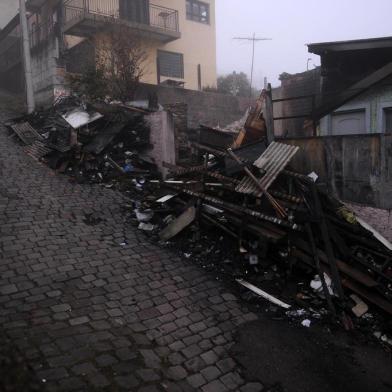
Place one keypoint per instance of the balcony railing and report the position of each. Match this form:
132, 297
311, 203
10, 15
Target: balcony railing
159, 17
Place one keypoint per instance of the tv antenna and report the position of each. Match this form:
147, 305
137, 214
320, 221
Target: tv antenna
252, 39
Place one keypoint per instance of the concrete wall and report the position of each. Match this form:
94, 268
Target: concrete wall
373, 102
203, 108
356, 168
162, 138
44, 69
48, 77
8, 9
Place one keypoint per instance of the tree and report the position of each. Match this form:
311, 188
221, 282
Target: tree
236, 84
118, 67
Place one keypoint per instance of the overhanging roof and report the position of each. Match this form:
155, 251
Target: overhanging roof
351, 92
343, 46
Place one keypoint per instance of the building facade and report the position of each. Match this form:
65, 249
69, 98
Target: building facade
178, 37
356, 92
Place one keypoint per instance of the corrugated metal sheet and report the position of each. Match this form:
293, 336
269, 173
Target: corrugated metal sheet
273, 160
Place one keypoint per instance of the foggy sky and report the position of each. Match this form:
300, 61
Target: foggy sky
292, 24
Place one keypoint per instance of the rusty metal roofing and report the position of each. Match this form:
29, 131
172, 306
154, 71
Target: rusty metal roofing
271, 163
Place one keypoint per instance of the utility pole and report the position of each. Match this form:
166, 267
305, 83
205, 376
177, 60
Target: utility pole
253, 39
26, 57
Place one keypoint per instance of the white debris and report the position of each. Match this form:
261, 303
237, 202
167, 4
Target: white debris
360, 307
166, 198
263, 294
146, 226
313, 176
317, 286
306, 323
144, 216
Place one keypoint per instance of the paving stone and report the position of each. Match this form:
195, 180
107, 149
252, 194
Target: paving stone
252, 387
105, 360
151, 359
232, 380
149, 388
196, 380
53, 374
127, 382
226, 365
210, 357
148, 375
99, 381
211, 373
8, 289
79, 320
176, 373
61, 308
125, 354
214, 386
194, 365
191, 351
84, 368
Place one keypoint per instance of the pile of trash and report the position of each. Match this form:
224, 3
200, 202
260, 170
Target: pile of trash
91, 142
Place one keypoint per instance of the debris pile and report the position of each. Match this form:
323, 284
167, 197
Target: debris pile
91, 142
245, 215
237, 209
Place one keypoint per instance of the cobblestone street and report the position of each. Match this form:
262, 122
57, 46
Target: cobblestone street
89, 314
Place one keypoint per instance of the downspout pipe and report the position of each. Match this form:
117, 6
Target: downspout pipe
27, 58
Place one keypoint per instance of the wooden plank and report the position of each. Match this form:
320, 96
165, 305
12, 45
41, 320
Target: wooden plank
179, 224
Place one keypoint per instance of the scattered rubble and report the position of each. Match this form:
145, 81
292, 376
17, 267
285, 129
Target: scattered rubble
236, 209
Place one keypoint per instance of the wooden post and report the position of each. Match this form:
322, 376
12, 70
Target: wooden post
199, 76
268, 113
158, 70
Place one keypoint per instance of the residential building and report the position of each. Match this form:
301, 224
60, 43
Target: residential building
356, 86
178, 36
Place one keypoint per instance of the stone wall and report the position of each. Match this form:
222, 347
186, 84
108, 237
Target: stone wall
356, 168
203, 108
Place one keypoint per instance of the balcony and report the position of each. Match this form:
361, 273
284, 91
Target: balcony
86, 17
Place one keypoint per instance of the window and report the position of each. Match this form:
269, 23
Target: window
349, 122
388, 120
198, 11
171, 64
